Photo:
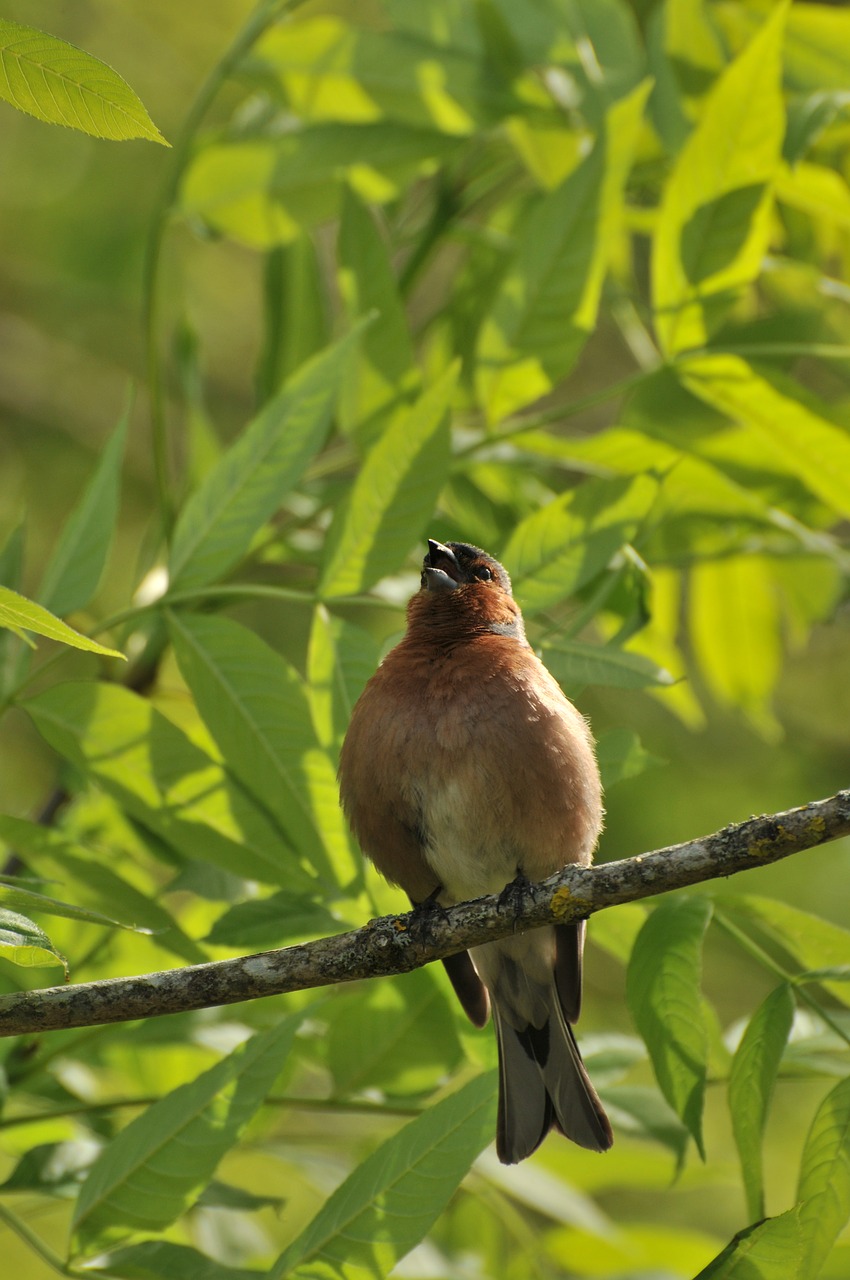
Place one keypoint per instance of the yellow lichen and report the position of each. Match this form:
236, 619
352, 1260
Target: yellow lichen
561, 900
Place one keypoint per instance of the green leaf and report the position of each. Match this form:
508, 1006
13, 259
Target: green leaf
685, 57
21, 615
79, 558
393, 496
770, 1250
663, 993
815, 450
26, 899
751, 1082
264, 193
247, 486
263, 923
814, 942
546, 305
22, 943
621, 756
223, 1195
714, 223
386, 1206
257, 709
641, 1111
51, 1168
164, 1260
560, 547
153, 1170
332, 69
340, 659
735, 630
382, 375
60, 84
163, 779
399, 1035
834, 973
574, 663
824, 1186
295, 324
817, 42
46, 848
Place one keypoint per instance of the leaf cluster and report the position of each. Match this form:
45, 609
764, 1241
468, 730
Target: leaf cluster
562, 280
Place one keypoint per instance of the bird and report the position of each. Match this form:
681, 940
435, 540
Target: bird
464, 769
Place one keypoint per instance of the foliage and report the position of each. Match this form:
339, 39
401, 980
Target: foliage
53, 81
563, 280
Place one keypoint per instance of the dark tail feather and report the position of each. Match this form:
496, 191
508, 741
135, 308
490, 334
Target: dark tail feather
569, 949
469, 988
543, 1084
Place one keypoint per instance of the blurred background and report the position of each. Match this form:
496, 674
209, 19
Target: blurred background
75, 217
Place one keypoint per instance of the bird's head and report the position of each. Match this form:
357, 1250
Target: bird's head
465, 591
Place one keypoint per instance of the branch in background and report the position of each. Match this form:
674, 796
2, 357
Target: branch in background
397, 944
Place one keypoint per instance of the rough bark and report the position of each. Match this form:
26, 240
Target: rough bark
397, 944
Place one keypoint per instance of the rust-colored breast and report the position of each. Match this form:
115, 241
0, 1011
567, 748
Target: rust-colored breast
465, 763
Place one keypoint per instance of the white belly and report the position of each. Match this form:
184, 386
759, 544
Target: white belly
468, 861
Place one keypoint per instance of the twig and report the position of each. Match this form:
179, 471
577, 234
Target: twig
397, 944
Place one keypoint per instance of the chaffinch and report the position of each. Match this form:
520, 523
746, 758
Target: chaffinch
465, 766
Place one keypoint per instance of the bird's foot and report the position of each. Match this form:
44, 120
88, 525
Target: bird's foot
512, 896
425, 915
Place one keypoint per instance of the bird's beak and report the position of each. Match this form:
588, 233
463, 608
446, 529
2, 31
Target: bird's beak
435, 577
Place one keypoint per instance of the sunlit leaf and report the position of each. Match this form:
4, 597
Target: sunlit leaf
714, 221
382, 375
340, 659
22, 899
156, 1167
560, 547
663, 992
751, 1081
60, 84
547, 302
79, 557
734, 627
329, 69
22, 943
393, 496
162, 779
267, 192
824, 1186
399, 1035
46, 849
21, 615
815, 450
236, 498
770, 1250
392, 1199
257, 709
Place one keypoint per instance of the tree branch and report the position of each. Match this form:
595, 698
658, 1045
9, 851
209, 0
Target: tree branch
397, 944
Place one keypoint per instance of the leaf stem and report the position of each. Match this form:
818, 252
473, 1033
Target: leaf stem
35, 1242
516, 428
354, 1106
758, 953
258, 21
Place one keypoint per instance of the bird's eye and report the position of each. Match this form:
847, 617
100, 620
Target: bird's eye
484, 574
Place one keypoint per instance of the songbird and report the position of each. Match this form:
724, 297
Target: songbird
464, 767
